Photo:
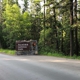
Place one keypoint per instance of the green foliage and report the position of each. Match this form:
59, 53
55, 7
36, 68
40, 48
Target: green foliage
46, 35
50, 52
11, 15
29, 24
17, 25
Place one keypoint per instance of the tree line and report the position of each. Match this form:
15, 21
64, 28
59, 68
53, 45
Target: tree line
55, 24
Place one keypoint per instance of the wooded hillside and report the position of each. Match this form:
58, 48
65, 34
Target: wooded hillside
55, 24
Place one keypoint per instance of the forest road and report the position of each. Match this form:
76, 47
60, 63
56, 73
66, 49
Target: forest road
35, 67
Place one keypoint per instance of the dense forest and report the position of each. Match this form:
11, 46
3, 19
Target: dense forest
55, 24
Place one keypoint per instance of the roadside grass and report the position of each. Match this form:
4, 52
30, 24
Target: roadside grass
7, 51
59, 54
47, 51
54, 53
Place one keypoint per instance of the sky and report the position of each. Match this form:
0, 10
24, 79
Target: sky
21, 2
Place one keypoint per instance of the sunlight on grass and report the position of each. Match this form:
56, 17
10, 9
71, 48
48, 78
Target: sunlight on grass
6, 51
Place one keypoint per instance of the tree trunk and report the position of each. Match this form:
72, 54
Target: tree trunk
62, 42
71, 41
71, 12
57, 43
75, 11
76, 42
76, 29
71, 31
44, 23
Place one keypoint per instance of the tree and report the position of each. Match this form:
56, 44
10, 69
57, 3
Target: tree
36, 19
11, 16
2, 43
56, 27
76, 28
17, 25
71, 31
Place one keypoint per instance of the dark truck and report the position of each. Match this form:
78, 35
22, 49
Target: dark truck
26, 47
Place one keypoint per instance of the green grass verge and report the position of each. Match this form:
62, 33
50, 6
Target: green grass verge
7, 51
58, 54
55, 54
